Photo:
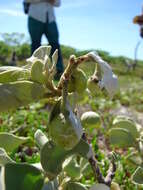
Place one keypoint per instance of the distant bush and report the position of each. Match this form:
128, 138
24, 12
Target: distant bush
5, 52
23, 51
67, 51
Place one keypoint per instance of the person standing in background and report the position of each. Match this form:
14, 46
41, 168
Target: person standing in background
41, 20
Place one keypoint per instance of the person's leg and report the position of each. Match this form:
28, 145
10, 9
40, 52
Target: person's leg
36, 29
51, 32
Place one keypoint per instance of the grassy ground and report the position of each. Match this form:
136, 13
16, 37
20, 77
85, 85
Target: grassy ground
129, 99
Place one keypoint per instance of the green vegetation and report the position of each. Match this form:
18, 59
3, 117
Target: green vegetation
128, 102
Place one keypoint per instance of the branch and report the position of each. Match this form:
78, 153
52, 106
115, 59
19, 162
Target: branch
72, 65
98, 174
111, 172
94, 164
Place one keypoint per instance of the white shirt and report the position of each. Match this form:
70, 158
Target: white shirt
40, 10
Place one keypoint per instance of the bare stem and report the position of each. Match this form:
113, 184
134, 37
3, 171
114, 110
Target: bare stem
98, 174
93, 162
111, 172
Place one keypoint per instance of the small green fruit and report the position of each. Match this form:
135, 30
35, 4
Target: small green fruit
78, 82
90, 120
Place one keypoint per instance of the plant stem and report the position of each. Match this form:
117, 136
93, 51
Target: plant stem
72, 65
98, 174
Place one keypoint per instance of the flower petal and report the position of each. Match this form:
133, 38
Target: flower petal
109, 80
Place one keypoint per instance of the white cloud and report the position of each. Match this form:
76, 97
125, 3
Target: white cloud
11, 12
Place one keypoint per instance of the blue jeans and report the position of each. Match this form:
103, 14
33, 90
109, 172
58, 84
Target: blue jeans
37, 29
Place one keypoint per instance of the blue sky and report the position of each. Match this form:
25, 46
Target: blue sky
85, 24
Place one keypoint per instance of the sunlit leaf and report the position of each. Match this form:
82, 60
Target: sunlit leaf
138, 176
22, 177
9, 141
121, 138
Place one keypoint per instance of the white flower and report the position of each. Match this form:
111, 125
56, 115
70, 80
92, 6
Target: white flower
109, 80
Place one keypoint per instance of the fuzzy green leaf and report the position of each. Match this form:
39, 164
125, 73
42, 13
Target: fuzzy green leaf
82, 148
64, 127
86, 169
9, 141
126, 123
37, 70
121, 138
22, 177
15, 74
72, 168
52, 158
20, 93
134, 158
138, 176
